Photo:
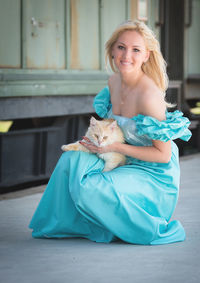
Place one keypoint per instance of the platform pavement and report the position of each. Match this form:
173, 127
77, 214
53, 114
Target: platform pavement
27, 260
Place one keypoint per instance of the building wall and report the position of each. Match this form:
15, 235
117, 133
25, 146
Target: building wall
48, 45
55, 49
192, 53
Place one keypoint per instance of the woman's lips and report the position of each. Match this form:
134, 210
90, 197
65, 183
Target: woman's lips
126, 63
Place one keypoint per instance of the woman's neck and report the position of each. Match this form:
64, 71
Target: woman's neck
130, 79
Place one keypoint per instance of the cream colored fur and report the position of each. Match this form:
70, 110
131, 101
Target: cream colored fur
102, 133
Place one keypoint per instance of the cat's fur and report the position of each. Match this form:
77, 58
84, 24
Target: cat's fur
102, 133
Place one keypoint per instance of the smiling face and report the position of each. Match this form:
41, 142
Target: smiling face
129, 52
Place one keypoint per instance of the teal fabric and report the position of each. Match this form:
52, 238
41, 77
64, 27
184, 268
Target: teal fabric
134, 202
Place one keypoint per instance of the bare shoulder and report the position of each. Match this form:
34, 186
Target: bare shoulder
151, 101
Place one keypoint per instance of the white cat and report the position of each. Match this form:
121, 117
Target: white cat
102, 133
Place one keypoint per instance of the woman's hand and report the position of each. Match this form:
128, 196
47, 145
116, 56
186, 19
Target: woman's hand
93, 148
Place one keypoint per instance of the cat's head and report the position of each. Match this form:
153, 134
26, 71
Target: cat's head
103, 132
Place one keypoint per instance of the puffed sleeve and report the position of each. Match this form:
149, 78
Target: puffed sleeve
175, 126
102, 102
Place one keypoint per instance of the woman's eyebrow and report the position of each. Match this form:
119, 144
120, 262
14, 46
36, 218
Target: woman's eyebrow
132, 45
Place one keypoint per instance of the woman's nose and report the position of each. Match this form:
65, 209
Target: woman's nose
127, 54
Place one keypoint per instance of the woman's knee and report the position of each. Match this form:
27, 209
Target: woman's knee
64, 160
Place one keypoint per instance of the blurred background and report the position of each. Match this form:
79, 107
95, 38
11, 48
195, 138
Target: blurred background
52, 66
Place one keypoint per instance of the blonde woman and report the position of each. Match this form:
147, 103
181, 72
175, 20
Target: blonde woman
133, 202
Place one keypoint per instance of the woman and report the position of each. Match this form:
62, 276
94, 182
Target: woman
133, 202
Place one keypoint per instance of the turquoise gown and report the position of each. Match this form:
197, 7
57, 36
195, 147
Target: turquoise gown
133, 202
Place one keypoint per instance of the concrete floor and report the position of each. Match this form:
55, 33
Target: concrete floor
26, 260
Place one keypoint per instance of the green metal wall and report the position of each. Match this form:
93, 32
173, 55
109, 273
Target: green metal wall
53, 47
43, 34
56, 35
10, 34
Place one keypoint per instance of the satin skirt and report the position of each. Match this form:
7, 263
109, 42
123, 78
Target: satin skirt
133, 203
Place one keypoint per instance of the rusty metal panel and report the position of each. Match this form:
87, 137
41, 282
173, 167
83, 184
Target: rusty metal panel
10, 33
44, 34
115, 10
84, 34
154, 17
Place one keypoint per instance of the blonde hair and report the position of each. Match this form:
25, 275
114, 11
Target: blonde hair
155, 67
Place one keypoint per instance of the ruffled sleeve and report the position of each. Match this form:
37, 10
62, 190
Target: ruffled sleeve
102, 102
175, 126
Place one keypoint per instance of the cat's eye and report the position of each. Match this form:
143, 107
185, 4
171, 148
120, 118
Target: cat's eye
96, 136
105, 138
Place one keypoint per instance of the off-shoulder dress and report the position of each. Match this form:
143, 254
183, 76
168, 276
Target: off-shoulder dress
134, 202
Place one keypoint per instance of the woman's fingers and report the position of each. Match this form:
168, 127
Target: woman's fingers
90, 146
86, 142
86, 139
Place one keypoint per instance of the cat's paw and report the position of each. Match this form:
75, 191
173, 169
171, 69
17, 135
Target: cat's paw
64, 147
72, 146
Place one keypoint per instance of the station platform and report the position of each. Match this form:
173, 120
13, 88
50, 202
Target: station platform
27, 260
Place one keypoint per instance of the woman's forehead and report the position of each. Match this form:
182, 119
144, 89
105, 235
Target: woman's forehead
131, 37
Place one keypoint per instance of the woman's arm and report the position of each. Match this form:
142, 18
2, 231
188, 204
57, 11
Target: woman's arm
151, 105
159, 152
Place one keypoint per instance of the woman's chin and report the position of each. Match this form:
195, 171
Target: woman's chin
126, 69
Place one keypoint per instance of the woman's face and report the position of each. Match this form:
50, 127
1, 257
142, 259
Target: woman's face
129, 52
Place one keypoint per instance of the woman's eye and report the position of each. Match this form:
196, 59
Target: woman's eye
136, 50
120, 47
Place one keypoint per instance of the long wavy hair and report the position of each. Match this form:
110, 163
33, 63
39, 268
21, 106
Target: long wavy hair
155, 67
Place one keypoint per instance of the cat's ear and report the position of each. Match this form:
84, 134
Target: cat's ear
93, 121
113, 125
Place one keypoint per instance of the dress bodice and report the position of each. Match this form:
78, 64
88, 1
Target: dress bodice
129, 129
140, 130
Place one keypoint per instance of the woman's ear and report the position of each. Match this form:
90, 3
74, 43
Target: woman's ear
112, 51
147, 56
